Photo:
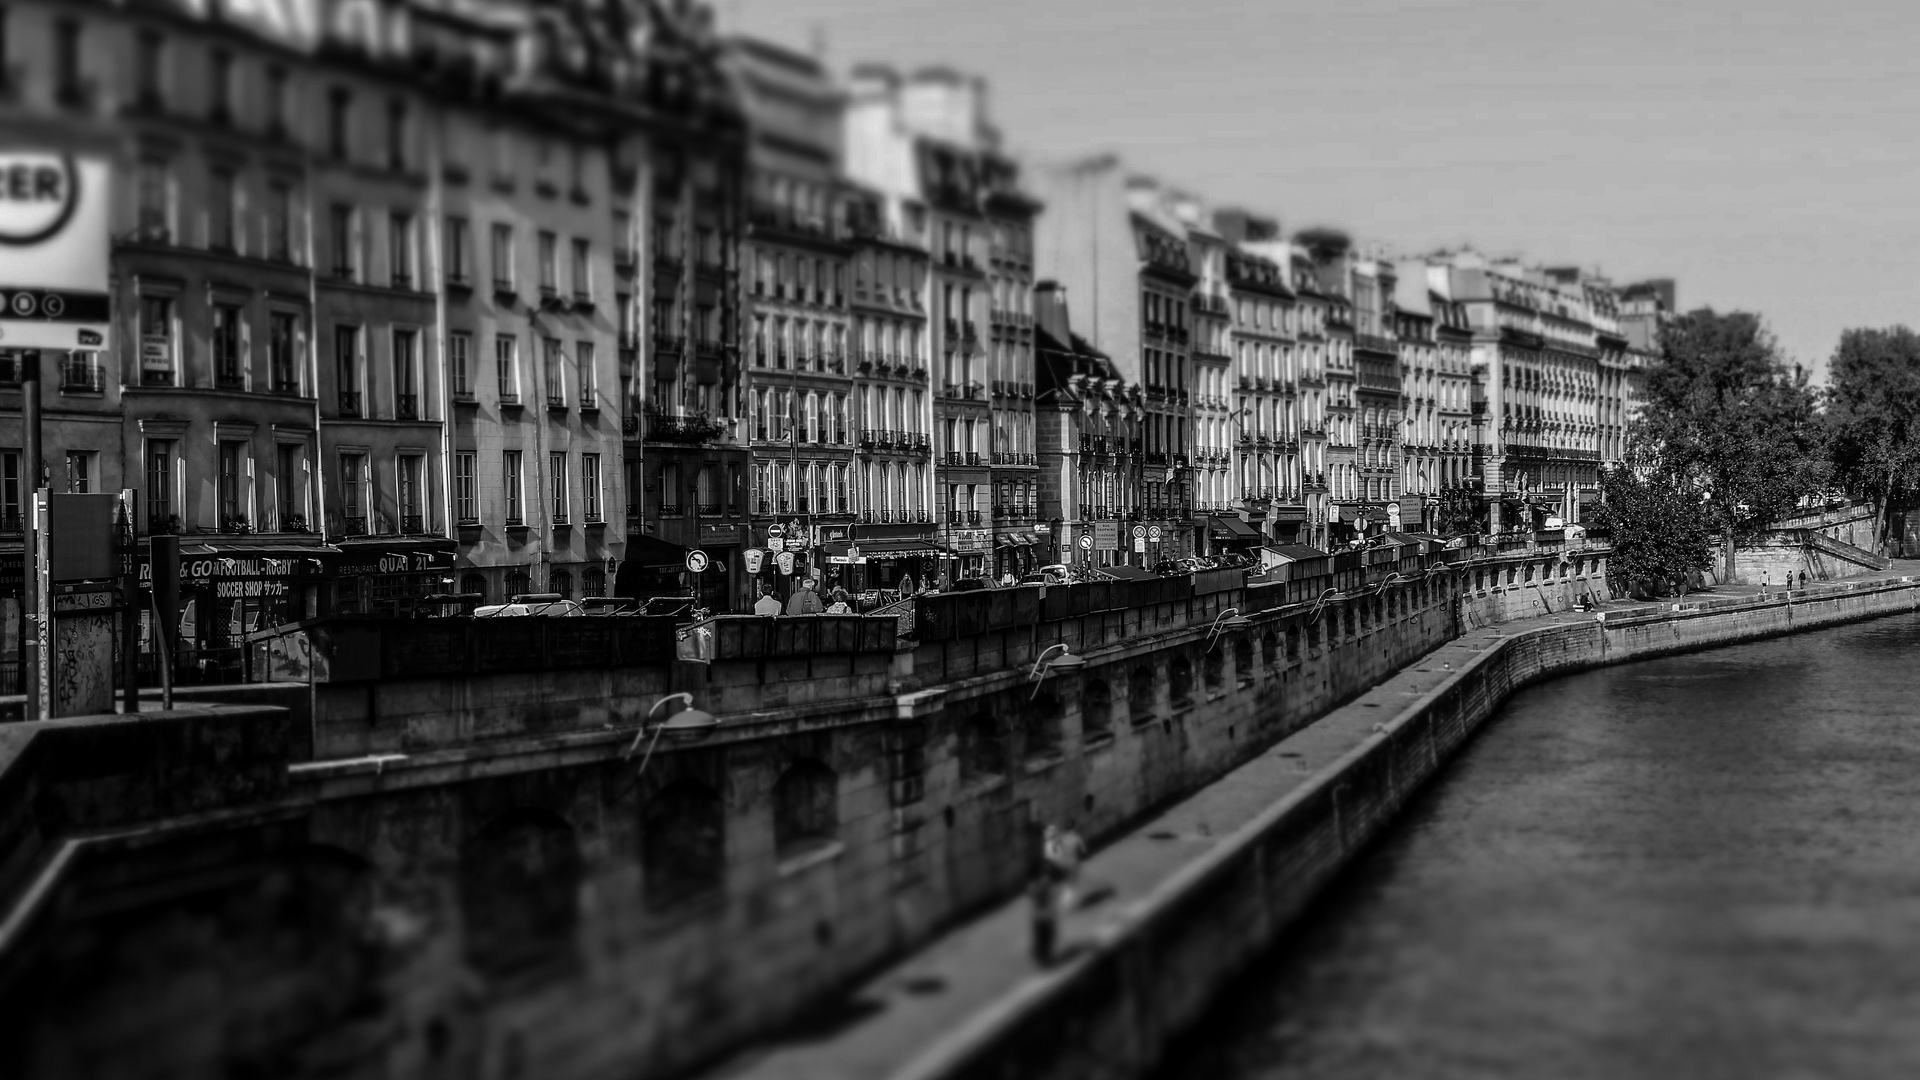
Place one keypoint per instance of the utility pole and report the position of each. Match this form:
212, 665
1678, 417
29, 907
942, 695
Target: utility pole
37, 705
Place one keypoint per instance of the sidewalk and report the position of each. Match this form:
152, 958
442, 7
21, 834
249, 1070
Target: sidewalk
913, 1015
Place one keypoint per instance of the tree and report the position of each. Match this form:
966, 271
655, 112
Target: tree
1457, 513
1323, 243
1659, 530
1727, 421
1873, 420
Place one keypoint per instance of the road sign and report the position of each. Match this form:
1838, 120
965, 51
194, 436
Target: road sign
1153, 534
1086, 541
696, 560
1140, 545
754, 557
54, 249
786, 562
776, 544
1139, 532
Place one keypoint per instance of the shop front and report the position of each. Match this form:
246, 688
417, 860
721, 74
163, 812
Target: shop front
721, 587
1020, 552
967, 555
382, 576
232, 587
1228, 534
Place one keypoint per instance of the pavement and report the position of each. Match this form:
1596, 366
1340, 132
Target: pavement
913, 1016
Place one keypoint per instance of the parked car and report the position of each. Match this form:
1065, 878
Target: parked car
551, 604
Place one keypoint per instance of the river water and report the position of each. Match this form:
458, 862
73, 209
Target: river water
1703, 866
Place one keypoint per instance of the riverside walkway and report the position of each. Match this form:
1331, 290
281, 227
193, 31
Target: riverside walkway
913, 1020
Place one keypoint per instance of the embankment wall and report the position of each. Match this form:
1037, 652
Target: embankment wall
1112, 1014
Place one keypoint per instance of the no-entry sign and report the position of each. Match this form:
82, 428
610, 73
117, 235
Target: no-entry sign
54, 249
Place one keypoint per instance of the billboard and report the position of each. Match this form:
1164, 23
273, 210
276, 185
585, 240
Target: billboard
55, 209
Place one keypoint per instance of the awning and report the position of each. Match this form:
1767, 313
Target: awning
1128, 573
644, 550
1233, 527
1015, 539
884, 550
1295, 552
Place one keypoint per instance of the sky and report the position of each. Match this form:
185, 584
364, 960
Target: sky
1761, 154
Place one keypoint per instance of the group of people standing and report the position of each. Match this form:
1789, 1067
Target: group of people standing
804, 601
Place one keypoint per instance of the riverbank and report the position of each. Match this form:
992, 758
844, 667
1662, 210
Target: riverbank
1194, 894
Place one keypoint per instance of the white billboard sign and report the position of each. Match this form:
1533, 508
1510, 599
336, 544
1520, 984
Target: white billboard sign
54, 250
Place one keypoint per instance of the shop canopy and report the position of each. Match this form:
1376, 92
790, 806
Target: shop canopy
1129, 573
1233, 528
644, 550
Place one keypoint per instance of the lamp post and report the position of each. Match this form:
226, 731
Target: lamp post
1043, 666
1226, 622
687, 725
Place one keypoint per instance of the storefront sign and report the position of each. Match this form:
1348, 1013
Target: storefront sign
355, 562
54, 249
972, 540
754, 559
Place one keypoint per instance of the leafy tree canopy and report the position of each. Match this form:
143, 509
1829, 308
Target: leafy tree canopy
1658, 533
1729, 422
1873, 419
1324, 242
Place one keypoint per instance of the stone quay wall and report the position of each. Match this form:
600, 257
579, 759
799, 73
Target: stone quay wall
1112, 1015
464, 870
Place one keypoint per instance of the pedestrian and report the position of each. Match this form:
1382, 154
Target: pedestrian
840, 606
804, 600
1803, 579
768, 604
1065, 851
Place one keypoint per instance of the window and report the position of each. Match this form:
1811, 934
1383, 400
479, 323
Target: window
400, 249
159, 488
154, 190
353, 497
511, 489
583, 363
346, 359
232, 492
397, 135
465, 506
590, 486
555, 377
549, 270
557, 474
66, 62
146, 70
459, 268
406, 397
407, 470
459, 346
341, 236
157, 341
339, 111
220, 87
582, 270
279, 230
290, 488
623, 238
276, 103
221, 207
228, 369
82, 471
503, 257
506, 365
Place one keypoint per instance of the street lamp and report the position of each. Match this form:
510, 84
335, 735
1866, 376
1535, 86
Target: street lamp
1226, 622
1043, 666
1330, 594
687, 725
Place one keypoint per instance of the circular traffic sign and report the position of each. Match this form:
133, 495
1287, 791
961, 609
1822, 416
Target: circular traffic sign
1153, 534
696, 560
1086, 542
23, 303
53, 306
1139, 532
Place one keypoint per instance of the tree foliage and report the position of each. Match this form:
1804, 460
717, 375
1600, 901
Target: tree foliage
1324, 242
1730, 424
1658, 531
1457, 513
1873, 419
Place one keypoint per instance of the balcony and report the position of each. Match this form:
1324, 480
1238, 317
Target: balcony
556, 401
81, 375
225, 380
686, 430
350, 404
354, 525
406, 406
412, 524
589, 400
973, 517
672, 509
973, 458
